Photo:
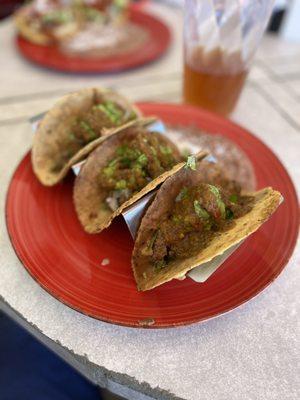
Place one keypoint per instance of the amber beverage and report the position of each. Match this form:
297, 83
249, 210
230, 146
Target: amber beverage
213, 79
220, 40
216, 92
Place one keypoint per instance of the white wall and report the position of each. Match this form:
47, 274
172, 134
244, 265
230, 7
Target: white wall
291, 25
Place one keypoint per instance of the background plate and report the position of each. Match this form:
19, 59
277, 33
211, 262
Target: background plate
66, 261
157, 44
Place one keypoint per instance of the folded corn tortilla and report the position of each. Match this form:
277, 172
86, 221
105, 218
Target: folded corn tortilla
265, 202
90, 198
51, 141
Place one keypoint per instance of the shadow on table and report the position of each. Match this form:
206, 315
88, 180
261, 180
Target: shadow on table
29, 371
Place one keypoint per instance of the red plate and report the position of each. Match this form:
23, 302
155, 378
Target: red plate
156, 46
66, 261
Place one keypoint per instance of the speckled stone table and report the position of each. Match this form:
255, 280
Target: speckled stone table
251, 353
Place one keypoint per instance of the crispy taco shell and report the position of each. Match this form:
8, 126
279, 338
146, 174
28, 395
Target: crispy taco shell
89, 198
33, 32
27, 30
265, 203
50, 142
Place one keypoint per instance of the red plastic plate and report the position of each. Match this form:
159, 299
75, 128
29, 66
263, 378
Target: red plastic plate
66, 261
157, 44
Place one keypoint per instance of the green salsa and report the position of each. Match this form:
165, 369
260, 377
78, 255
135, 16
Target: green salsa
135, 163
197, 213
89, 127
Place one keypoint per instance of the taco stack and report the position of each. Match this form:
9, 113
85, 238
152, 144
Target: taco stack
48, 22
193, 218
74, 127
120, 171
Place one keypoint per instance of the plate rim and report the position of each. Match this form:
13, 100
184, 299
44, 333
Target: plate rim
135, 12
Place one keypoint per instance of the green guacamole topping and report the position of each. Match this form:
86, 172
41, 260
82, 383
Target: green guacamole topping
93, 15
200, 211
88, 129
215, 191
135, 163
57, 17
112, 111
197, 212
89, 126
191, 163
233, 198
121, 3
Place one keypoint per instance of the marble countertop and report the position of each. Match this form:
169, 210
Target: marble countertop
250, 353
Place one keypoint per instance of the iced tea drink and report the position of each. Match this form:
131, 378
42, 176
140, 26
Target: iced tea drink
212, 80
220, 40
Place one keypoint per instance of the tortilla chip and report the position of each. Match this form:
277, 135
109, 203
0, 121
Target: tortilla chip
265, 203
49, 140
90, 206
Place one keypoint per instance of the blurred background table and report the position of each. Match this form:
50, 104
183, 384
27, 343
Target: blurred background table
250, 353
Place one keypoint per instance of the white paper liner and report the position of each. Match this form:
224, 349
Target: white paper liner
204, 271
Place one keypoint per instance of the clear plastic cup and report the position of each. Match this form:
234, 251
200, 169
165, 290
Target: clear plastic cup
220, 40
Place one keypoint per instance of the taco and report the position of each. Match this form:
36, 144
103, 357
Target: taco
192, 220
74, 127
120, 171
48, 22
